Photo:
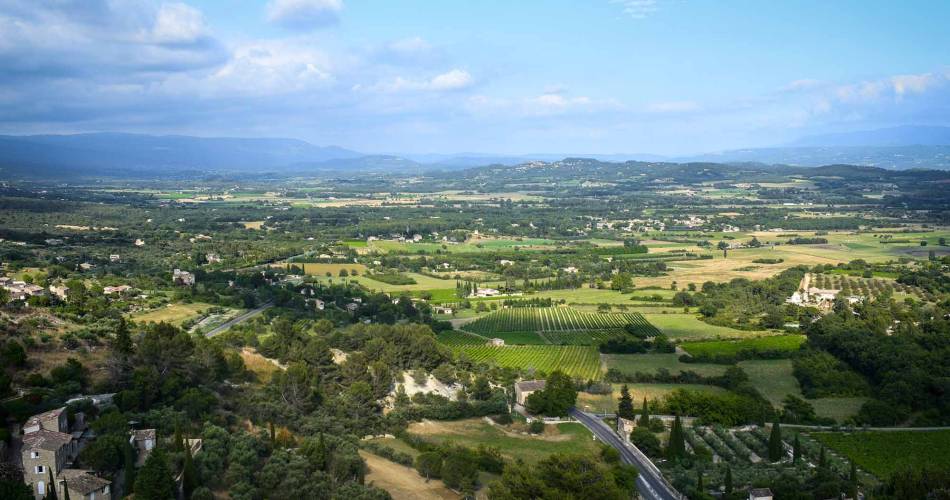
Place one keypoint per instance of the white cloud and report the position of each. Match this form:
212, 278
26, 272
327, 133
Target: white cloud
672, 107
273, 67
178, 23
801, 85
455, 79
638, 9
304, 14
894, 87
409, 45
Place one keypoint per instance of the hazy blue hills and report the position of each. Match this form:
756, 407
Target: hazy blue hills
118, 154
137, 155
908, 135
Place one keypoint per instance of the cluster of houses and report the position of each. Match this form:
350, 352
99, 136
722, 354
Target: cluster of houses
822, 298
51, 444
20, 290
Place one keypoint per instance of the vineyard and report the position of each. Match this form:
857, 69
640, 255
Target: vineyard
554, 320
576, 361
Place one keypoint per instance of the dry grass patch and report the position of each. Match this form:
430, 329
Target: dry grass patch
263, 368
403, 482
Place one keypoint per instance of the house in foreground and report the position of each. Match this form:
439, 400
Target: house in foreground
526, 388
48, 450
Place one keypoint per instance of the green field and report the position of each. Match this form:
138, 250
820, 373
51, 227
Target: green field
650, 363
513, 444
652, 392
554, 319
576, 361
774, 379
883, 453
689, 327
732, 347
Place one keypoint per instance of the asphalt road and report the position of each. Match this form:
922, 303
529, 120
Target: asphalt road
239, 319
650, 485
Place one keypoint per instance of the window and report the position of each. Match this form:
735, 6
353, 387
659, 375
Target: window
40, 469
34, 454
41, 488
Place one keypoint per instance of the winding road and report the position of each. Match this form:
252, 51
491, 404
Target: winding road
223, 327
650, 482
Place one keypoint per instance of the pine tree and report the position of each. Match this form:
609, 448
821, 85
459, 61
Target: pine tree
625, 406
155, 480
645, 415
728, 480
776, 448
676, 448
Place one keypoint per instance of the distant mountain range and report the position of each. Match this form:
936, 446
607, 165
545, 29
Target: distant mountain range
908, 135
137, 155
123, 154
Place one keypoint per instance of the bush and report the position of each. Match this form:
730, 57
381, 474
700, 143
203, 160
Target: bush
536, 426
646, 441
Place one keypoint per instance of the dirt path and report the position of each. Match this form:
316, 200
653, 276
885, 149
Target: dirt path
402, 482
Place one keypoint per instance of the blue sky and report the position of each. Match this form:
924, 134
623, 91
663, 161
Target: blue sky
600, 76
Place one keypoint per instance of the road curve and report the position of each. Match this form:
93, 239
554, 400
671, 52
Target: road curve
649, 483
239, 319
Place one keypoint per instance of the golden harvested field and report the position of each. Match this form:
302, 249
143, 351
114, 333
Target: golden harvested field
253, 224
319, 269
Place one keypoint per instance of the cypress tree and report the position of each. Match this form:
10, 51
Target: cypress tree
51, 487
645, 415
176, 439
853, 476
796, 450
128, 467
65, 490
699, 481
728, 480
189, 474
676, 448
625, 406
273, 433
821, 458
776, 449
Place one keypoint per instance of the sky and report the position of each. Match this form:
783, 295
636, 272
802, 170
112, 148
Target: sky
670, 77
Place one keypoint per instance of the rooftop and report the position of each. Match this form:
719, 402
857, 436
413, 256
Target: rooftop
46, 440
83, 481
530, 385
36, 419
